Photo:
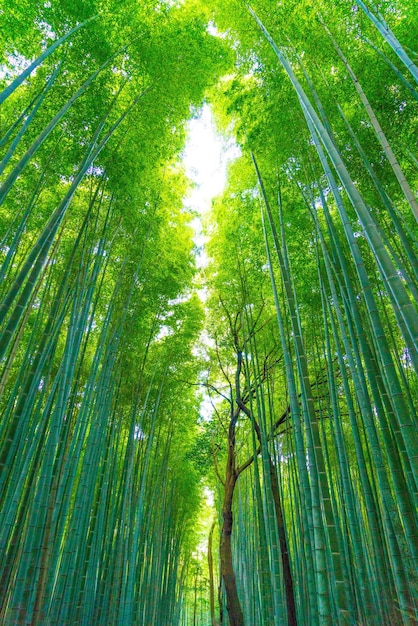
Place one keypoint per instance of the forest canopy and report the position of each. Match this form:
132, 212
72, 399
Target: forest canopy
293, 500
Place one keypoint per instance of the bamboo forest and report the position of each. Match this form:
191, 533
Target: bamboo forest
208, 417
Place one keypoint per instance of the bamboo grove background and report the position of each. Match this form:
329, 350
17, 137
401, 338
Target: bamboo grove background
310, 355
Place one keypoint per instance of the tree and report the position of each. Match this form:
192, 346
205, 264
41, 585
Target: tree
312, 311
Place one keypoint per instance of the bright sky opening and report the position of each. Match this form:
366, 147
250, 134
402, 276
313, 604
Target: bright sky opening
206, 158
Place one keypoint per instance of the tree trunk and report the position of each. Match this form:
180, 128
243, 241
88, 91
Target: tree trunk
211, 577
233, 605
195, 601
284, 550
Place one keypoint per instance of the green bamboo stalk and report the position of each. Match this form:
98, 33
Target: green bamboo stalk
387, 203
393, 67
311, 610
313, 445
389, 37
267, 524
407, 191
14, 244
404, 304
40, 249
28, 71
407, 430
11, 150
43, 135
366, 413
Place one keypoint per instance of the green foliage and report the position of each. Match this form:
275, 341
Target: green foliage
98, 413
311, 313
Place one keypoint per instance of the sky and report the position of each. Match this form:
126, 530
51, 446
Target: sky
205, 157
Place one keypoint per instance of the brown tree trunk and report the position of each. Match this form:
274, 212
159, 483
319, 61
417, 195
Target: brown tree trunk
211, 577
220, 600
233, 605
195, 601
284, 550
